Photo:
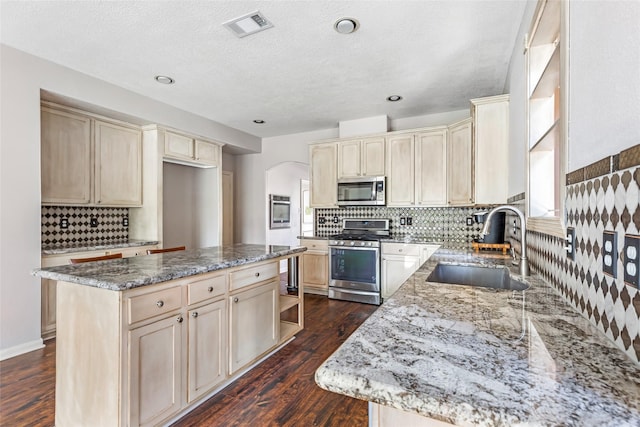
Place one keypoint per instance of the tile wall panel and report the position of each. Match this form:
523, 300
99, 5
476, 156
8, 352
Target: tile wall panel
110, 227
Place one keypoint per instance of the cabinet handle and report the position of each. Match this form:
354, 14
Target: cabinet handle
160, 303
257, 274
179, 319
210, 289
235, 299
194, 314
399, 250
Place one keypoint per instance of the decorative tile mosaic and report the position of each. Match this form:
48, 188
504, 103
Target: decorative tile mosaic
443, 225
610, 203
110, 225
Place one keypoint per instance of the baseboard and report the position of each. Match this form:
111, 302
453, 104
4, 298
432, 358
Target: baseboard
17, 350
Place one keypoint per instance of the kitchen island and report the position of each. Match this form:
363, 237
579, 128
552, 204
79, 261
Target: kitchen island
142, 340
437, 354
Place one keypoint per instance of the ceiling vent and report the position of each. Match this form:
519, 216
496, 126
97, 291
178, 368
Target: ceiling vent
248, 24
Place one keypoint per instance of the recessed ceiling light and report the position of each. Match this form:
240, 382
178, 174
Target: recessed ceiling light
258, 121
394, 98
346, 25
165, 80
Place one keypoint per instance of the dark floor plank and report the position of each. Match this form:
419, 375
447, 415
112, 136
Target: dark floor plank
281, 391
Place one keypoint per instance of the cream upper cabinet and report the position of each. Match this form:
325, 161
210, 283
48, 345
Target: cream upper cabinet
323, 185
431, 168
460, 164
86, 161
65, 158
118, 165
363, 157
491, 140
400, 170
186, 150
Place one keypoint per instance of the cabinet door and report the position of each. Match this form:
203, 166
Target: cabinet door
400, 170
207, 348
178, 146
155, 369
372, 154
48, 308
65, 158
491, 132
315, 270
207, 153
323, 185
460, 164
395, 271
118, 165
254, 324
431, 168
349, 159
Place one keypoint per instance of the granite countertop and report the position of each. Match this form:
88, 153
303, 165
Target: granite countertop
71, 247
476, 356
128, 273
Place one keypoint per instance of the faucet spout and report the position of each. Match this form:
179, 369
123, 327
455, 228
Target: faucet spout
524, 263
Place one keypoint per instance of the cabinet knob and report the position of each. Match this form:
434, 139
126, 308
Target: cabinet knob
194, 314
179, 319
257, 274
160, 303
210, 289
235, 299
399, 250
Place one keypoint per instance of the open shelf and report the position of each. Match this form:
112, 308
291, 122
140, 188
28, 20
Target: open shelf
549, 80
288, 301
288, 330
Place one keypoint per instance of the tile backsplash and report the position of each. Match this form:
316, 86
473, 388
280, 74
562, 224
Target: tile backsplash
446, 225
110, 226
594, 205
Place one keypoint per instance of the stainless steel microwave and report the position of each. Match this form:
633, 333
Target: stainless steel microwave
363, 191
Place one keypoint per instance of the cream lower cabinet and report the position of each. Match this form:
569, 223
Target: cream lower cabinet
399, 262
386, 416
314, 266
254, 324
156, 365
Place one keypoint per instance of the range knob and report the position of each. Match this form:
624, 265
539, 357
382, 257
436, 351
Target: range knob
363, 243
353, 243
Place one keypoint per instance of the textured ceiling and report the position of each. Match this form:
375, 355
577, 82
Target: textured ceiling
298, 76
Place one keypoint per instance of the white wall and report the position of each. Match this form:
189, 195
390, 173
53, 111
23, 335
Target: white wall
22, 77
438, 119
250, 179
284, 180
604, 72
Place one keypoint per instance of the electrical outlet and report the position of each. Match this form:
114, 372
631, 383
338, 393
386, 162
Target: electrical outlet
125, 221
336, 219
631, 260
571, 243
93, 222
402, 221
322, 220
64, 223
609, 252
469, 221
409, 220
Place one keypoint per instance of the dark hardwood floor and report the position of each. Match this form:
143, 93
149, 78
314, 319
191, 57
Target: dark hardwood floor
281, 391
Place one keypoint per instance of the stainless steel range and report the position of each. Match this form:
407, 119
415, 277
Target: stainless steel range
354, 260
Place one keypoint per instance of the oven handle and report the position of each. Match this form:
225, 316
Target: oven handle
356, 248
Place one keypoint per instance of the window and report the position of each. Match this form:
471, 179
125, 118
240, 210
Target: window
547, 112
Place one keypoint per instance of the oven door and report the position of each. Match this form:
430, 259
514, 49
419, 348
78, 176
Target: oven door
354, 268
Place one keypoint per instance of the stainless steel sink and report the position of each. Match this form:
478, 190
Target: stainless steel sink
473, 275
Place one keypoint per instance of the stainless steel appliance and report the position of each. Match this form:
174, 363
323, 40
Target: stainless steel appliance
279, 211
363, 191
354, 260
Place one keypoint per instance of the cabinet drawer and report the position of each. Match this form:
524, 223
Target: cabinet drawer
315, 245
400, 249
249, 276
206, 288
154, 304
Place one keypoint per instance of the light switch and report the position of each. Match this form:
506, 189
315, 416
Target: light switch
609, 252
631, 260
402, 221
93, 222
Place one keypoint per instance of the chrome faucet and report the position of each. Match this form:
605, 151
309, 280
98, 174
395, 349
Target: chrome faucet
524, 264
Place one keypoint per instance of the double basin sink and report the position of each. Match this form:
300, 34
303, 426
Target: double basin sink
475, 275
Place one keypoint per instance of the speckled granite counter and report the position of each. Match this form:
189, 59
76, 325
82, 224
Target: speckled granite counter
68, 248
127, 273
476, 356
